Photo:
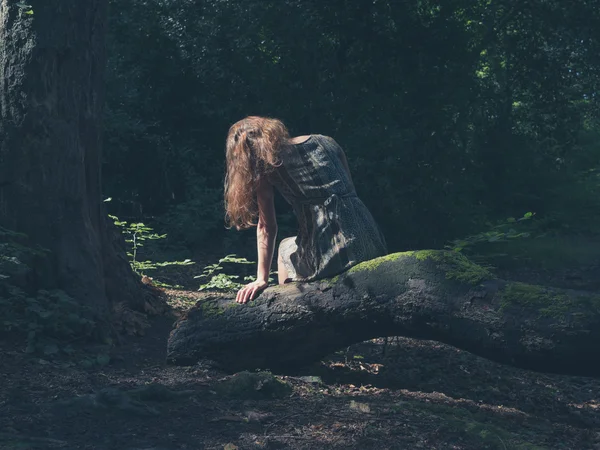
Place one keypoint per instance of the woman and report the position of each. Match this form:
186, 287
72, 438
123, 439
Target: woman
336, 230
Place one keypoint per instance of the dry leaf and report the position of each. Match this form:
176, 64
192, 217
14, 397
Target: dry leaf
230, 446
362, 407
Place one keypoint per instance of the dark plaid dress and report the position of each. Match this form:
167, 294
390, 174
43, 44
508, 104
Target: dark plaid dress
336, 230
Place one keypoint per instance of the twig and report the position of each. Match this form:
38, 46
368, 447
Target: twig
280, 420
32, 439
289, 436
503, 445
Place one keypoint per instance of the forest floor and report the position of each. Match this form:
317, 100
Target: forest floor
382, 394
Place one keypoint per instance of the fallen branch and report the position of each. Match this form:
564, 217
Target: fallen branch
436, 295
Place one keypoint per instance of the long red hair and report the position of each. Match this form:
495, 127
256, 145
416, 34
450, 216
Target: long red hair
252, 151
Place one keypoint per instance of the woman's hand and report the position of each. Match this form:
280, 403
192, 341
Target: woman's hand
250, 291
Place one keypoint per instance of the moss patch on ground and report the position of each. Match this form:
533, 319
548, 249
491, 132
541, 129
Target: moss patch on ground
549, 302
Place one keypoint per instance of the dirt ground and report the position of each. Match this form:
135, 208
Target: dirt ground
382, 394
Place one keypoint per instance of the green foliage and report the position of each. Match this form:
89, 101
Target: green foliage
222, 281
24, 8
136, 234
50, 319
14, 254
503, 231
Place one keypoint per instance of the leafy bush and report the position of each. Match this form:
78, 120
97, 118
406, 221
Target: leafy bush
49, 319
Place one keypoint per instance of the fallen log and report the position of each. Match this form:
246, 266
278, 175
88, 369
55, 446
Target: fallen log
430, 294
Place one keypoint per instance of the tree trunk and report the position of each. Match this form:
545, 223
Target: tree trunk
435, 295
52, 58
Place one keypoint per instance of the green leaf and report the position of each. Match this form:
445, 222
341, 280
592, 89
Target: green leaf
527, 216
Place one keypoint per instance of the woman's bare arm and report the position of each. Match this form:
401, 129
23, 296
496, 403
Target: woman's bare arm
266, 230
266, 233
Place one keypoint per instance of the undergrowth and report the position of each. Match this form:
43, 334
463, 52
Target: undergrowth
51, 322
136, 234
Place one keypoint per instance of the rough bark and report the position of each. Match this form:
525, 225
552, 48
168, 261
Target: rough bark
433, 295
52, 58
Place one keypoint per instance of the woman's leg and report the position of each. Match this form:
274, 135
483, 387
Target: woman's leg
282, 273
285, 269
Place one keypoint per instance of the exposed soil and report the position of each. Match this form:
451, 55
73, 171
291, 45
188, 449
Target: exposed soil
397, 393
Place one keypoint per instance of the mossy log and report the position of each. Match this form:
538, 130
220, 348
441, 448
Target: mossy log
431, 294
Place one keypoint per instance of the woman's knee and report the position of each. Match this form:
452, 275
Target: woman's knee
282, 274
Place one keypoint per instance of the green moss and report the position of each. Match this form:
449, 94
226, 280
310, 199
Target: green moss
373, 264
548, 302
209, 308
333, 280
423, 255
456, 265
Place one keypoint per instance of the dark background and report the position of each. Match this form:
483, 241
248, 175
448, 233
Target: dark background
454, 115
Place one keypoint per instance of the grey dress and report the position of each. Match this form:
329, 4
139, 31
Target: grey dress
336, 230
